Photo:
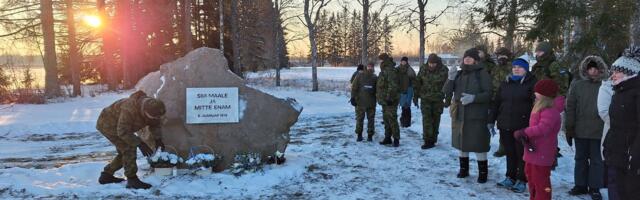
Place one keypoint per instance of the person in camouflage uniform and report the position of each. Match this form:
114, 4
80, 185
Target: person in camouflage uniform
118, 123
363, 92
499, 74
388, 96
428, 87
485, 58
547, 67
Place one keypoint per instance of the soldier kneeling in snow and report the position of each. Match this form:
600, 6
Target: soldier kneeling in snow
118, 123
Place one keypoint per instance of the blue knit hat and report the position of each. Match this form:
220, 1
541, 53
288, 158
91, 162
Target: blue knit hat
521, 62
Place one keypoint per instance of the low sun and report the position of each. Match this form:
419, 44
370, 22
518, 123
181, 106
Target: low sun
92, 20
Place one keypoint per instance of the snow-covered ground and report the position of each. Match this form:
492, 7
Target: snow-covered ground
53, 151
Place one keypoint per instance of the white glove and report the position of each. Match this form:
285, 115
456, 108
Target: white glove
467, 98
492, 129
453, 72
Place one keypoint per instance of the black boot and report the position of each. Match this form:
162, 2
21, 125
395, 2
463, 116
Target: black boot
106, 178
595, 194
370, 138
464, 167
428, 145
578, 190
387, 140
396, 142
135, 183
483, 167
359, 138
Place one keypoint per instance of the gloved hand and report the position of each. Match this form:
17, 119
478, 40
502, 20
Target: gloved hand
353, 101
144, 148
453, 72
569, 140
415, 102
160, 144
519, 134
492, 129
467, 98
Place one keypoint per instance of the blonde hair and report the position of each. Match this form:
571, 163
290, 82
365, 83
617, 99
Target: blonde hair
541, 103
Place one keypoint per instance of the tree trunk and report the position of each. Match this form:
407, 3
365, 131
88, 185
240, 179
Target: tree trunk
52, 89
312, 43
235, 31
107, 46
73, 61
221, 14
422, 32
365, 31
186, 26
277, 26
566, 39
123, 18
512, 20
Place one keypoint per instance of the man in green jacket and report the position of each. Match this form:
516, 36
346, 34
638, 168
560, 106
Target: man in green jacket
499, 74
428, 87
547, 67
118, 123
363, 92
388, 96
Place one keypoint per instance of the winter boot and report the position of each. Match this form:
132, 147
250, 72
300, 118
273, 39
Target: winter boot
578, 190
500, 152
359, 138
387, 140
464, 167
506, 183
483, 167
135, 183
370, 138
106, 178
595, 194
428, 145
396, 142
519, 187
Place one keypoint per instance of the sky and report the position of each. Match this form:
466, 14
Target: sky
404, 41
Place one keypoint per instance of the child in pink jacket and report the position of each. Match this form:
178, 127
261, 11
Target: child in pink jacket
541, 138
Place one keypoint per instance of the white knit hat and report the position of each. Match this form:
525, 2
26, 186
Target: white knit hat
629, 62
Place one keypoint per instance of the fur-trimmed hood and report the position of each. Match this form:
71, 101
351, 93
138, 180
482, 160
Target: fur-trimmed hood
602, 66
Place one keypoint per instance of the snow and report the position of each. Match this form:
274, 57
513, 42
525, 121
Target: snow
54, 151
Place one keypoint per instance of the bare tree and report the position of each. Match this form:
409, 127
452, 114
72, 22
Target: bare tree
235, 32
312, 10
186, 26
282, 8
221, 14
366, 4
73, 49
52, 89
107, 46
423, 21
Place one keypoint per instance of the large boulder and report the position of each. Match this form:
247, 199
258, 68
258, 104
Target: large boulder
265, 120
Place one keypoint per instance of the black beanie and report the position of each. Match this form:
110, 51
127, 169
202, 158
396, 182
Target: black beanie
405, 59
473, 53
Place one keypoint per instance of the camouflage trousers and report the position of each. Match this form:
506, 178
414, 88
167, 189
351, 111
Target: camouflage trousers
126, 157
431, 112
370, 113
390, 118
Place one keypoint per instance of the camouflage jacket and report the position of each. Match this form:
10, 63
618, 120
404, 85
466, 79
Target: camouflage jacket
498, 75
549, 68
428, 85
387, 86
363, 89
125, 117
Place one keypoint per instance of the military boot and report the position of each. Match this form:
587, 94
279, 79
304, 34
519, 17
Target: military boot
396, 142
483, 167
464, 167
370, 138
387, 140
500, 152
106, 178
359, 139
136, 183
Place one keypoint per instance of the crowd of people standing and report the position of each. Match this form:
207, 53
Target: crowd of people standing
597, 106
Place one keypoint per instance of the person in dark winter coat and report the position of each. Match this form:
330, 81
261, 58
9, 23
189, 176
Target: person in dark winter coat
363, 91
485, 59
622, 144
359, 69
584, 126
541, 138
388, 96
511, 108
429, 82
406, 78
471, 92
499, 74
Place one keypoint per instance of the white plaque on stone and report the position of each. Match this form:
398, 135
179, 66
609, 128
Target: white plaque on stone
212, 105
